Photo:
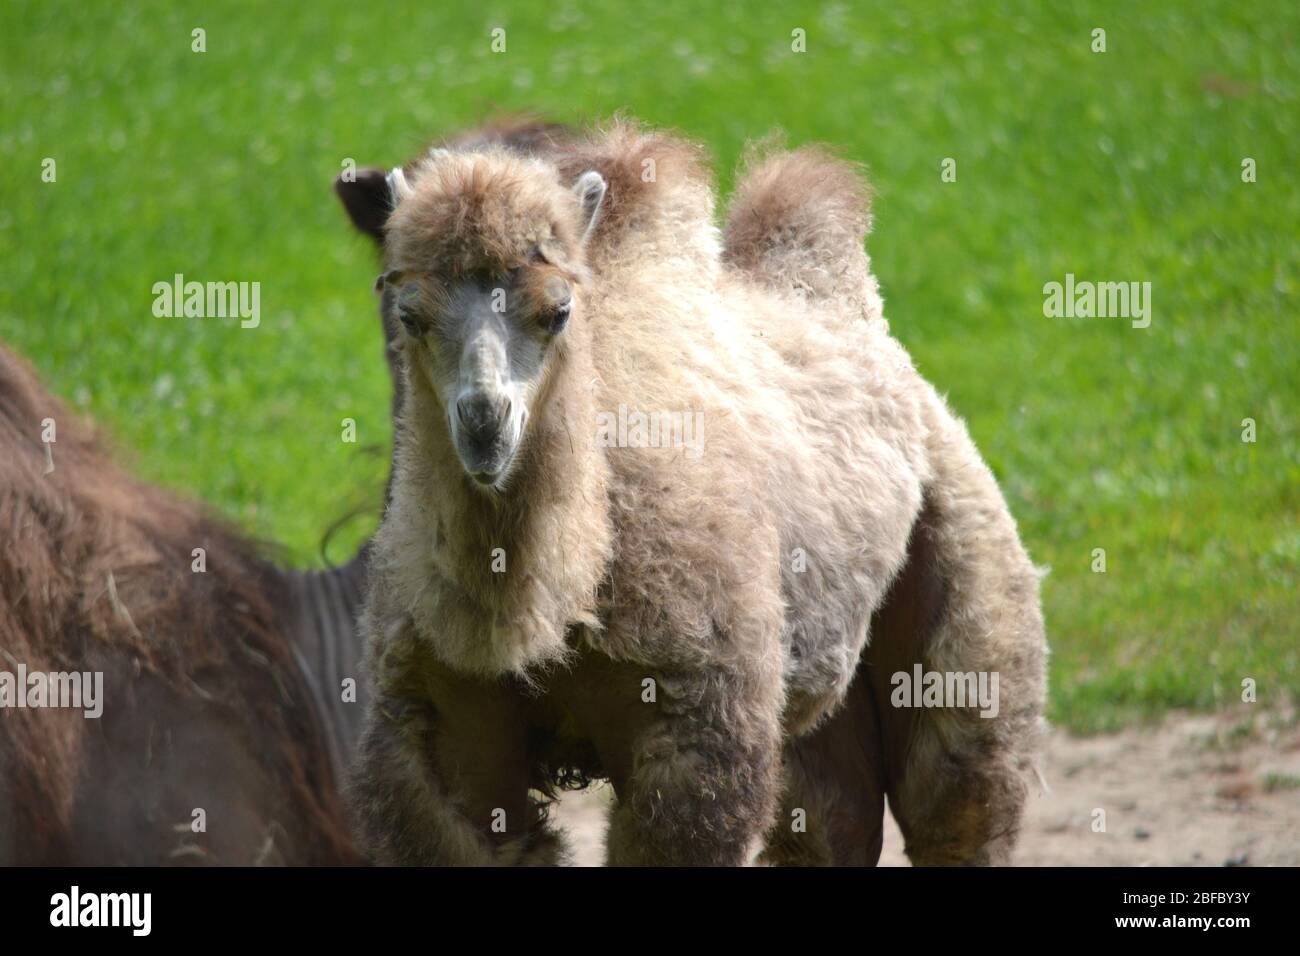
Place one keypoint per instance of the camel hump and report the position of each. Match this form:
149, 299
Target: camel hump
797, 222
659, 185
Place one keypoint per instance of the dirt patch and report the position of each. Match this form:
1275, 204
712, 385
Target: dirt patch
1217, 790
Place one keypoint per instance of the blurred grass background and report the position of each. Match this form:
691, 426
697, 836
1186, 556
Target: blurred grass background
1123, 165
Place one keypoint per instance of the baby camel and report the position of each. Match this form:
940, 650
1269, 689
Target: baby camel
551, 596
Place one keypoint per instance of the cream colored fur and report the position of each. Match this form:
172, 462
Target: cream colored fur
744, 578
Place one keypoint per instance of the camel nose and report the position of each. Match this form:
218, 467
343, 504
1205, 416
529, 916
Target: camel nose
482, 415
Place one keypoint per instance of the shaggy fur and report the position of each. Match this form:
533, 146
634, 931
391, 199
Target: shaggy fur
365, 194
745, 582
967, 599
203, 703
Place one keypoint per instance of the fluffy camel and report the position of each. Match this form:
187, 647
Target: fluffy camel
685, 614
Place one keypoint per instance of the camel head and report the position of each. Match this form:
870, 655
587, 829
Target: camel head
484, 261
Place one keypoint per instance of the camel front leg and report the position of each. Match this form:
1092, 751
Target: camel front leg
437, 783
704, 776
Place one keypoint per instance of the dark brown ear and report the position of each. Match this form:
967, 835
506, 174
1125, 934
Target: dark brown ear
367, 200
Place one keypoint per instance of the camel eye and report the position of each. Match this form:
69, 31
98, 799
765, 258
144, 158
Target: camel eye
555, 319
409, 319
406, 305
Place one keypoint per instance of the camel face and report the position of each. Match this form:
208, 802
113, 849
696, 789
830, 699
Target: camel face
484, 344
484, 252
497, 369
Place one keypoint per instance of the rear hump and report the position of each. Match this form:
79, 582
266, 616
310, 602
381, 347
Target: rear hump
798, 222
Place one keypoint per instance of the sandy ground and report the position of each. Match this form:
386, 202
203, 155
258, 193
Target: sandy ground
1219, 790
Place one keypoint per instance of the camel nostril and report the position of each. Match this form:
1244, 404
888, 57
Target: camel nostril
481, 416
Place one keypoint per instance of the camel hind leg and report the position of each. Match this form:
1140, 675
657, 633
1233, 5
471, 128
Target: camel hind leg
967, 603
955, 781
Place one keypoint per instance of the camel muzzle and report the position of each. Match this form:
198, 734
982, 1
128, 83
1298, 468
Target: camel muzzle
485, 435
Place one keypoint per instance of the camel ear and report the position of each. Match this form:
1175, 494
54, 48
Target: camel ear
590, 190
367, 199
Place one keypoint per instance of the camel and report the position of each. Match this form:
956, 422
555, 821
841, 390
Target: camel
719, 634
217, 741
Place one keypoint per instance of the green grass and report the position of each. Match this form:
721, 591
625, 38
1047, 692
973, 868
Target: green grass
1116, 166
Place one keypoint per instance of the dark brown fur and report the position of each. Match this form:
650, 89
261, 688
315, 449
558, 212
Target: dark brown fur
203, 705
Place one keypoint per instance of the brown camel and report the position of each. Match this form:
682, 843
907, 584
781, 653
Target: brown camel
688, 625
210, 746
